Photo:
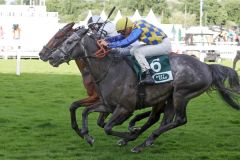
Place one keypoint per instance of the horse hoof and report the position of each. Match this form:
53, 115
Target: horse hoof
149, 143
90, 140
136, 150
122, 142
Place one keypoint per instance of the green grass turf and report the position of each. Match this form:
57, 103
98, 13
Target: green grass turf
35, 122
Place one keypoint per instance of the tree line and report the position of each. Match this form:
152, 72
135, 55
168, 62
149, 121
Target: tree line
186, 12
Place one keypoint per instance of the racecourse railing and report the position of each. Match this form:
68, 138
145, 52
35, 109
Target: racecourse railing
226, 50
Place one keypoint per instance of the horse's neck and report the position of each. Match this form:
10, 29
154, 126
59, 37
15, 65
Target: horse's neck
99, 66
108, 68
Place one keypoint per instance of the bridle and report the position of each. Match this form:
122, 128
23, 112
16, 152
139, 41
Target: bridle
101, 53
49, 50
67, 54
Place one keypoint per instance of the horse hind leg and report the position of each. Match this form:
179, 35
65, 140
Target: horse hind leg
101, 119
138, 117
180, 118
119, 115
168, 113
153, 118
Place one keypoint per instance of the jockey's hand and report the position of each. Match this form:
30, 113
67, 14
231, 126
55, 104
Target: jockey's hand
103, 43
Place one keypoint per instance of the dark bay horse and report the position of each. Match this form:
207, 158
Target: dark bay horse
118, 85
89, 84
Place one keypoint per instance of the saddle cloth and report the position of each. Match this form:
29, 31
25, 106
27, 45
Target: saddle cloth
161, 69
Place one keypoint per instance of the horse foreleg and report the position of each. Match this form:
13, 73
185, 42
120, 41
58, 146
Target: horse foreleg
74, 106
92, 98
89, 101
97, 107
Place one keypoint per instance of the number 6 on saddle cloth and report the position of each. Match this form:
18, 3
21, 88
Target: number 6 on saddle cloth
160, 66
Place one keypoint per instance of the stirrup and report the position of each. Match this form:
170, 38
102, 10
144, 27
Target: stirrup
148, 80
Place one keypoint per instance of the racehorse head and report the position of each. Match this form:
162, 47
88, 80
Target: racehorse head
74, 47
55, 41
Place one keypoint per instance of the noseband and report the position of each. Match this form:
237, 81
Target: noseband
67, 54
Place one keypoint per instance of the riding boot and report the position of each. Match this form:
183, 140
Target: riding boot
148, 78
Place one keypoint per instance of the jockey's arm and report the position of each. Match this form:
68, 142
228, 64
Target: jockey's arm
114, 38
134, 36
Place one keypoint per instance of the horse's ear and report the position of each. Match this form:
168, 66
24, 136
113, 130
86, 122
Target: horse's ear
68, 26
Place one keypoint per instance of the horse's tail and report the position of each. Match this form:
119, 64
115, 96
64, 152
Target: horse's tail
228, 91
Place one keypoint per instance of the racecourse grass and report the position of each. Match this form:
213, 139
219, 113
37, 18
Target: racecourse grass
35, 122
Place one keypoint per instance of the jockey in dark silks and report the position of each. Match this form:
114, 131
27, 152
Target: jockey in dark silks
97, 24
154, 39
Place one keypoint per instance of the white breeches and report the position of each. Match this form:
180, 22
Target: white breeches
142, 51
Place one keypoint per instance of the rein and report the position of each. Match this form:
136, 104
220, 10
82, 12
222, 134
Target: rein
102, 52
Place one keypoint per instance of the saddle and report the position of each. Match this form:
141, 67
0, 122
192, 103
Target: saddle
160, 66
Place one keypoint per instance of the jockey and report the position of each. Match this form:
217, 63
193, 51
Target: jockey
108, 29
154, 39
97, 24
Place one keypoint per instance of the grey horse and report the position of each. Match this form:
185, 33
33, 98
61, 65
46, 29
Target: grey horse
118, 83
59, 37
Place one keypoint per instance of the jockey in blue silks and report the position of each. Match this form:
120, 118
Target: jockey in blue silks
107, 29
154, 39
